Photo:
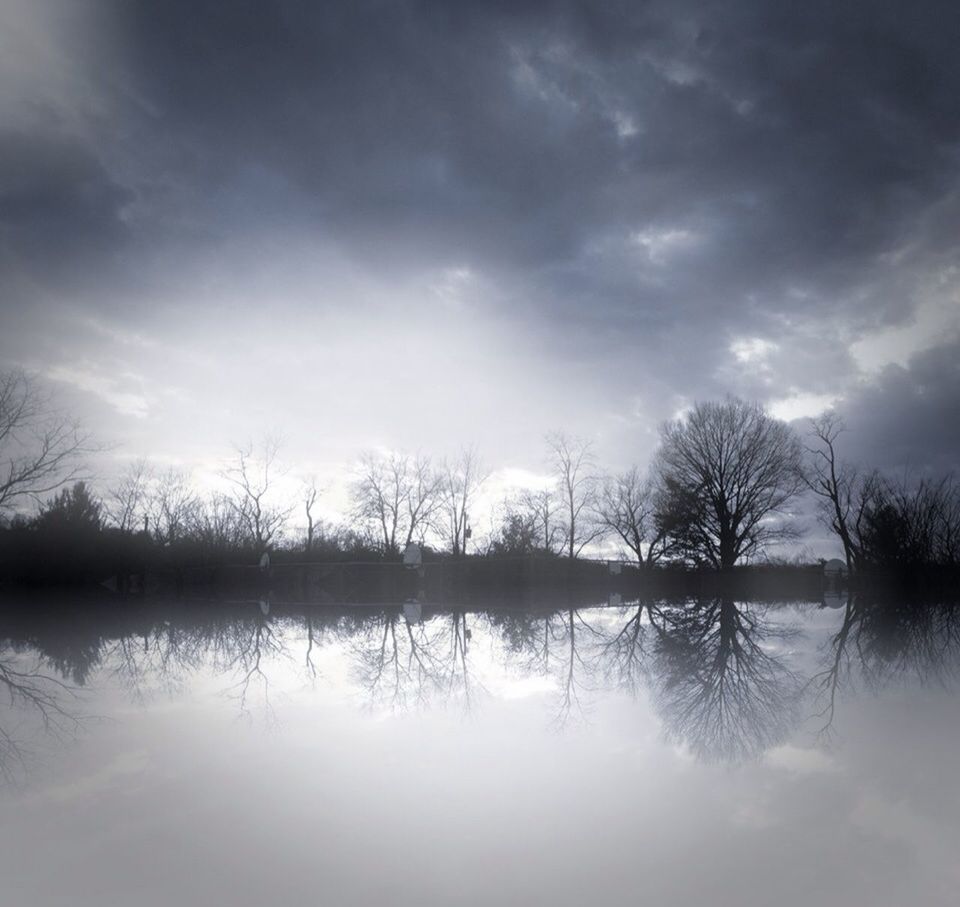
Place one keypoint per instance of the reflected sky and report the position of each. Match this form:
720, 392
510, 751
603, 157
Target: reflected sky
676, 753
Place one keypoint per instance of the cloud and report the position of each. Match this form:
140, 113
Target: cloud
569, 213
909, 417
107, 388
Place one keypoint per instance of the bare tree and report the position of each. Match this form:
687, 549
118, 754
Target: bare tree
424, 488
835, 484
126, 502
881, 522
573, 463
542, 506
216, 523
171, 505
948, 527
907, 524
626, 508
461, 481
40, 448
397, 494
310, 494
253, 473
379, 494
726, 471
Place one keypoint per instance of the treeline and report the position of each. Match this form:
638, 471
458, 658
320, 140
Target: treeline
725, 488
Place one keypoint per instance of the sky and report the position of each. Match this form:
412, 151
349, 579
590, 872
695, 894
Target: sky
422, 225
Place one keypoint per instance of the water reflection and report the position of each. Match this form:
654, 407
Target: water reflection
882, 641
722, 686
728, 680
46, 702
402, 663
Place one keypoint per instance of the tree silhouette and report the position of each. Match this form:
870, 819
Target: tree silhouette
253, 472
573, 463
626, 507
74, 510
41, 449
725, 471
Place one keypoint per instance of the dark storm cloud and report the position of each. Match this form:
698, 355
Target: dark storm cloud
807, 136
909, 419
644, 183
56, 197
801, 138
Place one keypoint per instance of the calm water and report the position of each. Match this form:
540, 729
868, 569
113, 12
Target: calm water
719, 752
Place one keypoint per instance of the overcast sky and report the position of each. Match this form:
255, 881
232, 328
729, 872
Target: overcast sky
421, 225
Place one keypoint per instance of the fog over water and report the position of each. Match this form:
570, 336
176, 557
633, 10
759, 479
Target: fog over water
721, 751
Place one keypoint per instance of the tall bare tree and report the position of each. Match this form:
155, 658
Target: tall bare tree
424, 496
41, 449
253, 472
310, 494
726, 472
626, 508
397, 494
574, 465
836, 485
461, 480
379, 495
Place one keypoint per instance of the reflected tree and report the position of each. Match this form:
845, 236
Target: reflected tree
458, 678
576, 667
628, 647
559, 645
247, 644
882, 640
28, 691
720, 688
395, 660
826, 684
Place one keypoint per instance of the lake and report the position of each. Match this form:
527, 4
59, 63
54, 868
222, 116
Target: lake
672, 753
